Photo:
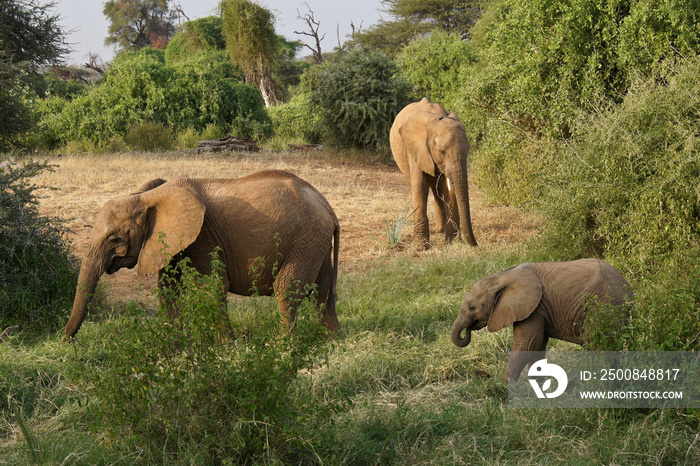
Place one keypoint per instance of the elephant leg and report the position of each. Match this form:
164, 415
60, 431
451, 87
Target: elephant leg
326, 297
421, 226
291, 287
448, 206
440, 212
529, 345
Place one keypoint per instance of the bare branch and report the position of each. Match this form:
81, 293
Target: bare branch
355, 30
313, 25
180, 13
6, 332
93, 63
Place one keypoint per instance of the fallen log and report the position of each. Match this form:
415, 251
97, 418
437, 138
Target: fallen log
230, 143
304, 147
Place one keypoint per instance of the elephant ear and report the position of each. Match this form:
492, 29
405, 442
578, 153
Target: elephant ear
148, 185
414, 135
518, 292
174, 214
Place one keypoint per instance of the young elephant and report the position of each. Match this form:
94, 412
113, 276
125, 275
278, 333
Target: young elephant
542, 300
430, 146
272, 221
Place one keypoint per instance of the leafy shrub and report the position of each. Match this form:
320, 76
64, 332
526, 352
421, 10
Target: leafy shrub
38, 274
188, 138
436, 65
296, 121
178, 389
544, 63
664, 315
358, 98
140, 87
149, 137
196, 36
630, 188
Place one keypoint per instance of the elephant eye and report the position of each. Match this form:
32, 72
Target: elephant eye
114, 239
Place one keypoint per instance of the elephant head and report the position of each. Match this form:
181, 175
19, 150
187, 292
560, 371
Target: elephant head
438, 142
129, 233
496, 302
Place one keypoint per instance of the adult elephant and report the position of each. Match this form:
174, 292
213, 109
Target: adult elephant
430, 147
276, 233
542, 301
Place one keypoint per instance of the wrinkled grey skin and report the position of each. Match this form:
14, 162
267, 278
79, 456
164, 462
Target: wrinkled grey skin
271, 221
542, 301
430, 147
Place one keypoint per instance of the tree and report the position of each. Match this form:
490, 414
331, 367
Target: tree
313, 33
415, 18
30, 38
252, 43
203, 34
135, 24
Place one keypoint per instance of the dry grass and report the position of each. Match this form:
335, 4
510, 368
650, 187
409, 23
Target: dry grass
363, 196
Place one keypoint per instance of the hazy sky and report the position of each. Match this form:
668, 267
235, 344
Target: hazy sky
89, 26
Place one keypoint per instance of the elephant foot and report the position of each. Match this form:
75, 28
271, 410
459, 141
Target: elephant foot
421, 245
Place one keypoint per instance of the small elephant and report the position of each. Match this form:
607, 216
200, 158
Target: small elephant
430, 147
271, 220
541, 300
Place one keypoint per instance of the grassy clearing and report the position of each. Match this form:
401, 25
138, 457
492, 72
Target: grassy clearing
392, 390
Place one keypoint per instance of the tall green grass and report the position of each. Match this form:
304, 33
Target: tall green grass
392, 389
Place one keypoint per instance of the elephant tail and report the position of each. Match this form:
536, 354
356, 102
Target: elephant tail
336, 251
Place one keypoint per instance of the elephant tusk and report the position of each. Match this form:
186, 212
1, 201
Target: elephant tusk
449, 188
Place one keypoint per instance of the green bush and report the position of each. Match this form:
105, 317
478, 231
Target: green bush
545, 63
296, 121
178, 389
149, 137
358, 97
194, 37
664, 315
141, 88
437, 65
629, 188
38, 274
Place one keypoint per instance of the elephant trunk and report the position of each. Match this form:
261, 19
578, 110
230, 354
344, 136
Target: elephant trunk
91, 270
461, 192
457, 330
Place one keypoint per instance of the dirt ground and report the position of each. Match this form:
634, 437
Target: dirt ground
363, 195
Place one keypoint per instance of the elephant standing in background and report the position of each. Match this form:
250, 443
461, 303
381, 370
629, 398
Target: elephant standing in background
272, 219
430, 147
541, 300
